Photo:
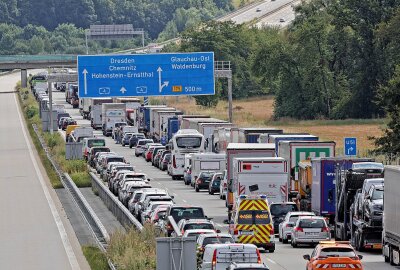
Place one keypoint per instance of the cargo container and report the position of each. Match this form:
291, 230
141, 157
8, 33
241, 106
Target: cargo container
173, 127
295, 151
154, 119
222, 137
276, 138
251, 135
391, 215
144, 116
160, 129
241, 150
207, 129
84, 107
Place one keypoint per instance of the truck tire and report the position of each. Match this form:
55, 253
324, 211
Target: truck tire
285, 241
359, 241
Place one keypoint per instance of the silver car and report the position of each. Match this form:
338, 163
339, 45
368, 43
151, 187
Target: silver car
286, 227
310, 230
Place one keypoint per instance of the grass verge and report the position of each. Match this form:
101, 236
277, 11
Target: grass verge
134, 249
56, 145
95, 257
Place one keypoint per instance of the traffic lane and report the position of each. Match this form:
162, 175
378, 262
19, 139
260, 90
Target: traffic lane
266, 6
30, 226
286, 13
285, 257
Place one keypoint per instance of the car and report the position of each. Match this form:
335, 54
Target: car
258, 9
211, 238
373, 205
135, 138
247, 266
129, 188
154, 153
129, 177
286, 226
203, 181
149, 152
113, 182
165, 161
100, 160
146, 213
310, 231
110, 165
187, 175
117, 168
223, 187
281, 20
140, 146
164, 153
215, 183
93, 151
158, 214
333, 255
108, 159
140, 204
125, 140
279, 211
221, 256
156, 157
179, 212
196, 224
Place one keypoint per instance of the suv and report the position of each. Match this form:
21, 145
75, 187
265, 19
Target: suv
310, 230
179, 212
140, 146
373, 205
135, 139
286, 227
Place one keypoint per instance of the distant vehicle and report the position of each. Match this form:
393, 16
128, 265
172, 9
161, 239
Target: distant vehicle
223, 188
215, 183
335, 255
212, 238
135, 138
203, 181
279, 211
196, 232
140, 146
310, 231
258, 9
196, 224
165, 161
179, 212
281, 20
247, 266
125, 140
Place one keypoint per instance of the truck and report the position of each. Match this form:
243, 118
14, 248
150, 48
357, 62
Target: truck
186, 119
222, 136
361, 232
323, 188
391, 216
161, 123
84, 107
276, 138
71, 95
144, 116
173, 127
207, 129
112, 113
96, 110
241, 150
206, 162
260, 176
79, 133
251, 135
296, 151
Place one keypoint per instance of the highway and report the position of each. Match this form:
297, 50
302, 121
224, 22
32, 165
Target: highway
284, 258
34, 232
280, 18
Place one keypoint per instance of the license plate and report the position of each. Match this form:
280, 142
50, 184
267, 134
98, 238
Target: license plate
246, 232
337, 265
312, 233
377, 246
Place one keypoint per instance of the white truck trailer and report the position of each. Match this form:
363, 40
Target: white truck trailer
202, 162
391, 215
112, 113
96, 110
261, 176
84, 107
207, 129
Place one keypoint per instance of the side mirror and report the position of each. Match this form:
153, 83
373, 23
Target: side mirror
306, 257
360, 257
148, 179
218, 231
173, 197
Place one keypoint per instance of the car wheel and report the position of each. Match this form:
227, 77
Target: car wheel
271, 250
294, 244
197, 189
130, 145
211, 192
280, 238
285, 241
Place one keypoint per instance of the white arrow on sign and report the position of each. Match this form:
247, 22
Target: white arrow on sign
123, 90
85, 72
165, 84
350, 150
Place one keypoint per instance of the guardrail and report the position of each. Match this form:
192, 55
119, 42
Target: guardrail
113, 204
94, 224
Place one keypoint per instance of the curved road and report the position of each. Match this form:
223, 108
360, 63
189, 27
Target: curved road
33, 235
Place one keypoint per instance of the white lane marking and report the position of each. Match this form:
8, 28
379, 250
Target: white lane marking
184, 201
159, 183
271, 261
63, 234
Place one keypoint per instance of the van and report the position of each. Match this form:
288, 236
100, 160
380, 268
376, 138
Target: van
221, 256
91, 142
252, 223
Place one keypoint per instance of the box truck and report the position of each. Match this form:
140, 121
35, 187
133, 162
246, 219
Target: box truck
206, 162
112, 113
251, 135
295, 151
96, 110
276, 138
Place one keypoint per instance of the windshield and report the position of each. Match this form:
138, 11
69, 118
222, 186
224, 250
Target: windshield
188, 142
294, 219
206, 175
217, 240
282, 209
312, 223
96, 150
198, 226
378, 194
99, 142
115, 159
189, 213
144, 142
337, 252
254, 217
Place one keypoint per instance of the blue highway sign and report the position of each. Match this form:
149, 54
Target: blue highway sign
146, 75
350, 146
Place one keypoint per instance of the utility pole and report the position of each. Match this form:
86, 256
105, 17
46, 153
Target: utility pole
222, 69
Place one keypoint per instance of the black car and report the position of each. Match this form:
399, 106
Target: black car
134, 139
215, 183
279, 211
203, 181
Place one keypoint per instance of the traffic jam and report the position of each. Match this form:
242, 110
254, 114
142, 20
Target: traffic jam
276, 186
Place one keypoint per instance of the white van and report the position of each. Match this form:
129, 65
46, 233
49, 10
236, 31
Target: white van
221, 256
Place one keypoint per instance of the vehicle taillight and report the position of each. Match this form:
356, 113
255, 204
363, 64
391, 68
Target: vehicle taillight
169, 227
225, 185
174, 162
235, 231
325, 229
355, 258
198, 181
298, 229
288, 226
258, 256
214, 260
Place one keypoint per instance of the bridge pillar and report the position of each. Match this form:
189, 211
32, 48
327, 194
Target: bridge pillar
24, 78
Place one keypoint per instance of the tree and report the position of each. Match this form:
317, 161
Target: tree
36, 45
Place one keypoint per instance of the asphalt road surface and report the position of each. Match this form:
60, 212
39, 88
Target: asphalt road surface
284, 258
32, 233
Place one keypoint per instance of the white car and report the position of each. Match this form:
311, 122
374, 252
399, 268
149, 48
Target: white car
286, 226
223, 187
129, 188
196, 232
310, 230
